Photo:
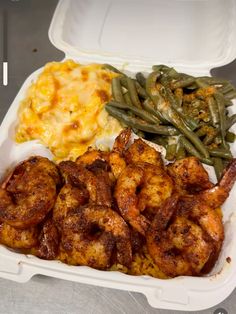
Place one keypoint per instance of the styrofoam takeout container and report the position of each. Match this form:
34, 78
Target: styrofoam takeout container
191, 35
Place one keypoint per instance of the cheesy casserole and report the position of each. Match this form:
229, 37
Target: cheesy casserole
64, 108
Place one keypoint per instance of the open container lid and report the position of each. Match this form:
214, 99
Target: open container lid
196, 35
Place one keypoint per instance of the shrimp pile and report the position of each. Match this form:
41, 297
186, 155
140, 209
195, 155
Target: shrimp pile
109, 210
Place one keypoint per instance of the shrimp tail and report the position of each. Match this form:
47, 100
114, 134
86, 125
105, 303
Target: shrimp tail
122, 141
165, 213
228, 177
217, 195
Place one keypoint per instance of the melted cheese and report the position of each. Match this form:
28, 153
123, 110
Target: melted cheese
64, 108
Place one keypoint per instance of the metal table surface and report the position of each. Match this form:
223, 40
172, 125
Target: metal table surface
28, 49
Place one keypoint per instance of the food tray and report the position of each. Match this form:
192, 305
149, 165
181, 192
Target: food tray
92, 31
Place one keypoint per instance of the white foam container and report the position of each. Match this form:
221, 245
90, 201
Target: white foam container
191, 35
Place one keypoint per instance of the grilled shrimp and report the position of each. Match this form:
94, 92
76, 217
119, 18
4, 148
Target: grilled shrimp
154, 188
92, 155
29, 193
189, 175
178, 245
157, 186
181, 249
48, 241
98, 187
69, 198
125, 193
217, 195
18, 238
116, 160
90, 235
208, 219
140, 151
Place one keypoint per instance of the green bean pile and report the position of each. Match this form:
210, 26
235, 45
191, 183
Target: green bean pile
187, 115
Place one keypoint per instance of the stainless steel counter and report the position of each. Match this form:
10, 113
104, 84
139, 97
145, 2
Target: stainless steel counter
28, 49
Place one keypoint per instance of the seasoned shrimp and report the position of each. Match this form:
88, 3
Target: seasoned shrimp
125, 193
18, 238
99, 187
92, 155
48, 241
189, 175
29, 193
181, 249
113, 158
157, 186
206, 216
154, 186
116, 160
90, 235
140, 151
217, 195
178, 245
69, 198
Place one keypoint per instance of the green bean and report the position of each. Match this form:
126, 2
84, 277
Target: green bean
146, 116
192, 86
178, 122
113, 69
140, 124
140, 90
209, 80
214, 112
183, 83
148, 106
193, 152
160, 140
124, 82
180, 153
221, 108
117, 89
218, 166
231, 121
230, 95
127, 99
189, 147
160, 67
190, 122
222, 153
138, 132
171, 152
141, 79
230, 137
228, 103
201, 83
226, 88
207, 161
133, 92
155, 96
